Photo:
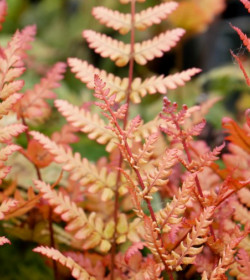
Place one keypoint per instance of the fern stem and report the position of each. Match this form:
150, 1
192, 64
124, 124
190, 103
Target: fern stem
125, 121
197, 182
51, 231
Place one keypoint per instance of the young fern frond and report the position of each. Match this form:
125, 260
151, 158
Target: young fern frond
77, 271
246, 3
122, 22
12, 130
90, 124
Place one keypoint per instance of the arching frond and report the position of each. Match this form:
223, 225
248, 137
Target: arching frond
90, 229
77, 271
243, 37
145, 51
93, 125
122, 22
80, 169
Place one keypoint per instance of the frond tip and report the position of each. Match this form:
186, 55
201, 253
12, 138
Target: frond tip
77, 271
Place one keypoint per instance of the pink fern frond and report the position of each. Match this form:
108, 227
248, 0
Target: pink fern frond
33, 105
8, 103
77, 271
7, 151
243, 259
133, 250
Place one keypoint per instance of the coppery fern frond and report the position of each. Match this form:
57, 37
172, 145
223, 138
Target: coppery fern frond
122, 22
77, 271
90, 124
191, 246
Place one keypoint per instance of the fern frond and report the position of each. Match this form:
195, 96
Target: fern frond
145, 51
160, 84
149, 49
122, 22
32, 105
241, 67
8, 103
90, 229
243, 259
90, 124
243, 37
173, 211
80, 169
4, 240
85, 72
6, 206
6, 133
77, 271
246, 3
3, 12
241, 213
191, 246
127, 1
244, 196
108, 47
114, 19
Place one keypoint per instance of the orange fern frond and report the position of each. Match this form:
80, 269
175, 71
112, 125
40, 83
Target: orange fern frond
4, 240
80, 169
246, 3
237, 135
90, 124
77, 271
145, 51
160, 84
241, 213
191, 246
173, 211
32, 105
122, 22
3, 11
241, 67
244, 196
